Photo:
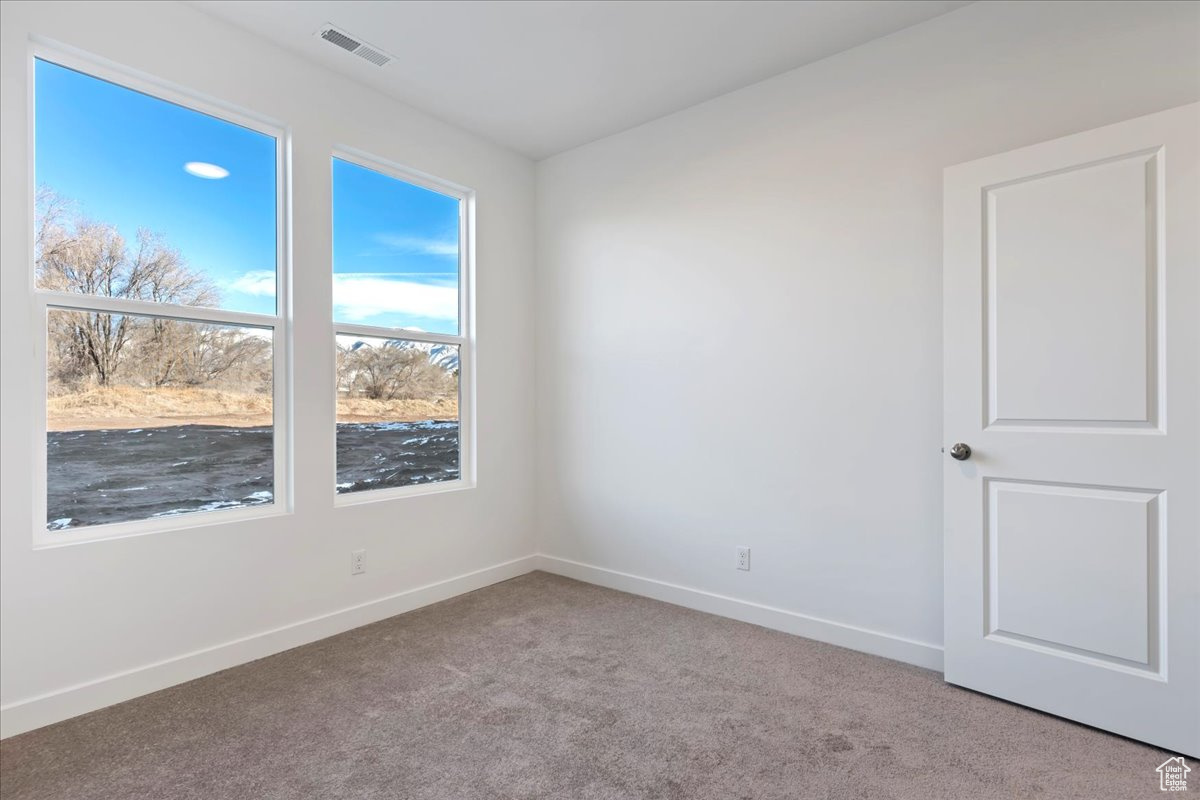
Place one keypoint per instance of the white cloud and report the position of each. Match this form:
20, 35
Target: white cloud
202, 169
418, 244
257, 282
358, 297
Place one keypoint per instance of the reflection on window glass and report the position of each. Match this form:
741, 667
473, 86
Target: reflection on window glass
395, 252
142, 199
397, 413
153, 417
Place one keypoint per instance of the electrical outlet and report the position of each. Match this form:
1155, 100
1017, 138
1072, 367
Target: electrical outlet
743, 558
358, 562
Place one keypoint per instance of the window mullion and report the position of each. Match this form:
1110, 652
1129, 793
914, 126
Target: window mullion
72, 301
424, 337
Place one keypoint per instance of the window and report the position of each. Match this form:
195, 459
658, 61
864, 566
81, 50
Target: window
157, 264
401, 311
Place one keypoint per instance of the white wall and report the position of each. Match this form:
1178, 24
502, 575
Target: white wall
739, 337
75, 617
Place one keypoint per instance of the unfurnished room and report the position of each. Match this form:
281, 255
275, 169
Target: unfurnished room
599, 399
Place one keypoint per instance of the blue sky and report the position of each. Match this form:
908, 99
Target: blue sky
395, 252
119, 156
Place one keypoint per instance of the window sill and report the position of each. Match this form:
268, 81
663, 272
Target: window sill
396, 493
46, 539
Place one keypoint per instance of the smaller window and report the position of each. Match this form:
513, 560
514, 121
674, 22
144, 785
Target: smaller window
401, 323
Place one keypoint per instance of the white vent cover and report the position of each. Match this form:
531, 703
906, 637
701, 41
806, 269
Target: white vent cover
353, 44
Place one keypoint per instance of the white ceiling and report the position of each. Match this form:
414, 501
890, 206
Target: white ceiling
543, 76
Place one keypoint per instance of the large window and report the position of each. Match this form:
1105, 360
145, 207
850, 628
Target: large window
157, 253
402, 323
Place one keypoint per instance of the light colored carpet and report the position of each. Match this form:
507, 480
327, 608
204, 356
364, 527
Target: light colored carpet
543, 687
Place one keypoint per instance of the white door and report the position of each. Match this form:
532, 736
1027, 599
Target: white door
1072, 371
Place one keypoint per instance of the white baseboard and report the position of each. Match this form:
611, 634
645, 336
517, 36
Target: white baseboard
35, 712
898, 648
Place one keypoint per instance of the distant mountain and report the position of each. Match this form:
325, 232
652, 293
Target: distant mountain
440, 355
443, 355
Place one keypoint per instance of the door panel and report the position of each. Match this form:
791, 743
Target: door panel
1071, 264
1072, 369
1070, 567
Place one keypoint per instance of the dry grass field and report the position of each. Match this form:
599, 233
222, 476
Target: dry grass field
133, 407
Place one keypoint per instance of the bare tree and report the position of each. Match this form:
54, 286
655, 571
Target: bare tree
392, 372
385, 373
75, 254
217, 353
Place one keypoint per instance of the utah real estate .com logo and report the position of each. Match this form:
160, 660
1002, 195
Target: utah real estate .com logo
1172, 775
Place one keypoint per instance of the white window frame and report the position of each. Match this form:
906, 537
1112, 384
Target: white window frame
465, 340
280, 323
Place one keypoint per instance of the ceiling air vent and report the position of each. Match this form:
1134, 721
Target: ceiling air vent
354, 45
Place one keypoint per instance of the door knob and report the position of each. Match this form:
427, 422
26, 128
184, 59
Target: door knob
960, 451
